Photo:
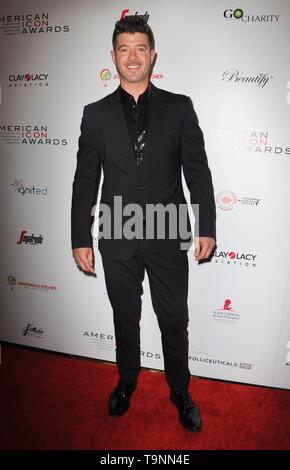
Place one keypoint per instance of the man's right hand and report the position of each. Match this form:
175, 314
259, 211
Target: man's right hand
84, 258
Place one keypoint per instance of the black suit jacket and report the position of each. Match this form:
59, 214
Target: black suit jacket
174, 142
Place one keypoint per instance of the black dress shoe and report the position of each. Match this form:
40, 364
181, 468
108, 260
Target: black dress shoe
189, 415
119, 400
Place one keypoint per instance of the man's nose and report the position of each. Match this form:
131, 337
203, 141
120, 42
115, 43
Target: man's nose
132, 54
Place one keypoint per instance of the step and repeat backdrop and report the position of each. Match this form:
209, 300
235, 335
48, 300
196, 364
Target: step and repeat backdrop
232, 59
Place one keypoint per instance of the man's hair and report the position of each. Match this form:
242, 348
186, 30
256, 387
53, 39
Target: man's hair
133, 24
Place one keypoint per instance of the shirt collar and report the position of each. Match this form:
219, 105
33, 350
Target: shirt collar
146, 95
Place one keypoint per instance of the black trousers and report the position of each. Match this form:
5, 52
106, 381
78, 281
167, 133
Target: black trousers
168, 280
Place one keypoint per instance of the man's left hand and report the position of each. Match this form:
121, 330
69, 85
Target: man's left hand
203, 247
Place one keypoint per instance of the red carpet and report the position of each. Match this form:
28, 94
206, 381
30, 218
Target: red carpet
56, 402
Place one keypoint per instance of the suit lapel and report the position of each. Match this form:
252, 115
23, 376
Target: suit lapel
120, 133
155, 128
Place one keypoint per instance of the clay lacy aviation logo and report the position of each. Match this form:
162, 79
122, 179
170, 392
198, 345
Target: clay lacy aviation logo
29, 134
226, 314
40, 287
24, 25
30, 190
28, 80
226, 200
238, 14
235, 258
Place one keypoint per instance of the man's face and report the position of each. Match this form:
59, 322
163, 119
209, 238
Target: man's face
133, 57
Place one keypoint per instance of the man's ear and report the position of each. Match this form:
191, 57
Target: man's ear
113, 57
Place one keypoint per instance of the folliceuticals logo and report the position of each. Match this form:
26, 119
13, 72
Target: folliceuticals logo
238, 14
226, 313
29, 24
30, 190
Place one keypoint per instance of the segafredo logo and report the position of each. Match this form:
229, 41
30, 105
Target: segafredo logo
145, 16
238, 14
29, 24
28, 80
226, 314
32, 239
235, 258
29, 134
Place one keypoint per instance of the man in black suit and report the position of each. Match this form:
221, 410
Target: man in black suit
142, 137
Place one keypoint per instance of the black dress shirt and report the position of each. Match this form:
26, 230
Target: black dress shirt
137, 118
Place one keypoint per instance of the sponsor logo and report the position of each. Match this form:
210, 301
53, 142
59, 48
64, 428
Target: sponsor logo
103, 341
226, 314
29, 239
150, 355
29, 24
258, 142
145, 15
238, 14
28, 134
32, 330
35, 286
106, 75
227, 200
31, 190
28, 80
235, 258
238, 76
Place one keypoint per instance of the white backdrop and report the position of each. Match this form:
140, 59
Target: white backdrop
234, 63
